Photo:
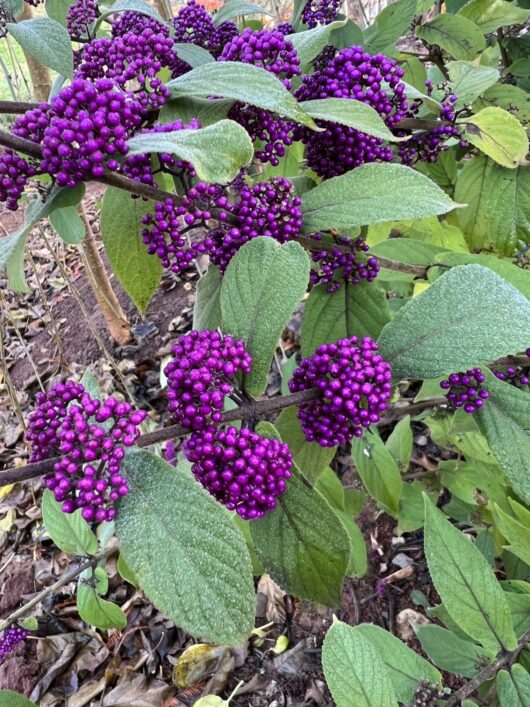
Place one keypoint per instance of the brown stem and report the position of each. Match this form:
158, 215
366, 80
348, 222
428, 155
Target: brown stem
52, 589
513, 361
504, 54
399, 411
115, 318
16, 107
420, 124
256, 409
40, 75
486, 674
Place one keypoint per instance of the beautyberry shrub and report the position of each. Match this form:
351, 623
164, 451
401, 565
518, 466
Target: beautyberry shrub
465, 390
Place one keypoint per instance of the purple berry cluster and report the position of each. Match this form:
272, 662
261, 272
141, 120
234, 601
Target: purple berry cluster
356, 385
11, 638
81, 14
269, 50
265, 209
515, 375
32, 124
139, 167
241, 469
194, 25
465, 390
426, 147
136, 22
91, 437
88, 129
320, 12
428, 694
338, 265
353, 74
14, 174
285, 28
201, 374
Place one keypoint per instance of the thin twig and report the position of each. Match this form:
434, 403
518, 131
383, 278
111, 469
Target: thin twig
52, 589
488, 672
504, 54
16, 107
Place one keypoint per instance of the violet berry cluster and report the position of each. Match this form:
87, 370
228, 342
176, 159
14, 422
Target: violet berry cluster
194, 25
426, 147
81, 14
320, 12
14, 174
139, 167
356, 385
339, 265
241, 469
11, 638
88, 129
515, 375
90, 436
136, 22
201, 374
269, 50
268, 208
353, 74
465, 389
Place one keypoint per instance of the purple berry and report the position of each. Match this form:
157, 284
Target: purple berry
14, 174
337, 265
11, 638
320, 12
81, 14
356, 384
242, 470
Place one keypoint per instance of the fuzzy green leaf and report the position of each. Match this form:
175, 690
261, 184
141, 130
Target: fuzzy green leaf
466, 584
207, 309
261, 288
69, 531
237, 8
489, 15
309, 44
46, 41
354, 670
457, 35
354, 114
450, 652
91, 607
372, 193
192, 54
203, 579
498, 134
513, 688
467, 317
378, 471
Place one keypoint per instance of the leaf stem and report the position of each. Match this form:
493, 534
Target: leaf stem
488, 672
52, 589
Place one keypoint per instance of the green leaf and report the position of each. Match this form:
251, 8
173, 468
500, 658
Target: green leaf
309, 457
206, 111
517, 534
187, 554
309, 44
468, 81
498, 134
505, 421
121, 223
457, 35
242, 82
466, 584
30, 624
68, 224
91, 607
192, 54
354, 670
46, 41
12, 246
489, 15
130, 6
14, 699
58, 10
261, 287
498, 199
518, 277
358, 557
467, 317
13, 7
513, 688
330, 486
411, 506
354, 114
218, 152
359, 310
399, 443
450, 652
378, 471
302, 543
207, 309
237, 8
408, 250
508, 97
405, 667
125, 571
372, 193
520, 610
391, 23
69, 531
